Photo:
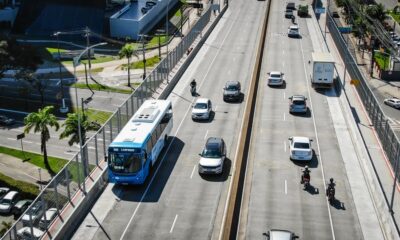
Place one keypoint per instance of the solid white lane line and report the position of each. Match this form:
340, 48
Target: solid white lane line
285, 186
13, 139
173, 224
194, 168
317, 139
284, 116
171, 142
284, 146
27, 142
284, 95
205, 136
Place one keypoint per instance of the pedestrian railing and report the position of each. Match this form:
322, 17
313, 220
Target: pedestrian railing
71, 181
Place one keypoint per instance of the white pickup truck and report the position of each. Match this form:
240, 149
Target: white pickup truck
323, 70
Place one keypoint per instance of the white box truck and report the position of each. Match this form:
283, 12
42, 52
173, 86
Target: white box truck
322, 70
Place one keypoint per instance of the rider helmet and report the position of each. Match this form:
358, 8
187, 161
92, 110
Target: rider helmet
331, 180
306, 167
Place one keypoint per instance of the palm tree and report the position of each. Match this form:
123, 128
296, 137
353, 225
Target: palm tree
71, 128
128, 50
40, 122
6, 226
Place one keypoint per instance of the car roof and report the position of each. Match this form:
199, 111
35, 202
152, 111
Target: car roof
301, 139
275, 72
22, 202
10, 194
214, 141
277, 234
232, 83
394, 99
202, 100
298, 97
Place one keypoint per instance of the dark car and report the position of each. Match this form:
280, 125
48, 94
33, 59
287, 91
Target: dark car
20, 207
3, 191
6, 120
298, 104
335, 14
291, 5
232, 91
288, 13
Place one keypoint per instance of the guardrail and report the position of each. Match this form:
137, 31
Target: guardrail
386, 134
83, 170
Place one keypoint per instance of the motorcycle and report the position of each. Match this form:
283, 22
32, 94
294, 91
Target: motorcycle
193, 90
305, 180
293, 19
331, 195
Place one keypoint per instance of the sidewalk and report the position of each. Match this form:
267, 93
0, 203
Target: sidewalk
371, 159
22, 171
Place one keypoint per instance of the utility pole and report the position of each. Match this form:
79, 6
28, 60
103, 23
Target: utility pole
371, 70
87, 34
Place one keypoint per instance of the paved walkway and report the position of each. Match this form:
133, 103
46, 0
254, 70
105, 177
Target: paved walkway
376, 172
22, 171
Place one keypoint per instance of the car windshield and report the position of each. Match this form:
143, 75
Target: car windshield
274, 75
5, 201
301, 145
126, 162
211, 153
298, 102
200, 106
231, 87
33, 210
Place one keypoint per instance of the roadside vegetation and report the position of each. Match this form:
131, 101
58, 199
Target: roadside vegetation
383, 60
98, 87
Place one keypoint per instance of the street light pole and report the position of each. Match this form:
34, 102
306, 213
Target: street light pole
63, 108
40, 178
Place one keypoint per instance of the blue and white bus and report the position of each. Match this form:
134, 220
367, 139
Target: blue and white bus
138, 145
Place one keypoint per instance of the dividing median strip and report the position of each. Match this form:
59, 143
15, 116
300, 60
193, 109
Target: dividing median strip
230, 221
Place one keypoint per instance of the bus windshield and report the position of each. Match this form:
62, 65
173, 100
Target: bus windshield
126, 162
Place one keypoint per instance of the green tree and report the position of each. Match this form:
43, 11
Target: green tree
71, 128
5, 226
40, 122
128, 50
376, 12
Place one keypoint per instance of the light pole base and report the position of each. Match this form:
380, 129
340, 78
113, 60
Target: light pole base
64, 109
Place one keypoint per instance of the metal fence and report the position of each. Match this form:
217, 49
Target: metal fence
386, 134
71, 179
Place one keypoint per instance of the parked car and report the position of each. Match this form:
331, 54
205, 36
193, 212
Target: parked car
291, 5
29, 233
6, 121
232, 91
8, 201
277, 234
393, 102
201, 109
300, 148
288, 13
294, 31
298, 104
335, 14
3, 191
212, 158
275, 78
34, 213
47, 218
20, 207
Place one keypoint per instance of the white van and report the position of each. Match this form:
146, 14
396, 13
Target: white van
8, 202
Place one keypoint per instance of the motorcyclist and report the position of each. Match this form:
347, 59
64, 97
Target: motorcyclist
306, 174
293, 18
193, 86
331, 186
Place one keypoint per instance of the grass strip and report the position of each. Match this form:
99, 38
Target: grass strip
25, 189
97, 87
382, 60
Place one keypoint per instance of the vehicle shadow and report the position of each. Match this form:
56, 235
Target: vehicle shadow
158, 177
336, 203
311, 189
304, 115
221, 177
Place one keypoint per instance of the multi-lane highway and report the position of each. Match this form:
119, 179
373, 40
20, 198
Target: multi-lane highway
276, 197
177, 203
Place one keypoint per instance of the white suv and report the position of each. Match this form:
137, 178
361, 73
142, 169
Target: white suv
294, 31
202, 109
300, 148
213, 156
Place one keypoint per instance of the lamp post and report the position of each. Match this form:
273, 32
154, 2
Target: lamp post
76, 63
40, 178
63, 108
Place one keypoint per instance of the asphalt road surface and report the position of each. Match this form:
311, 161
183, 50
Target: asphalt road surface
277, 199
179, 203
